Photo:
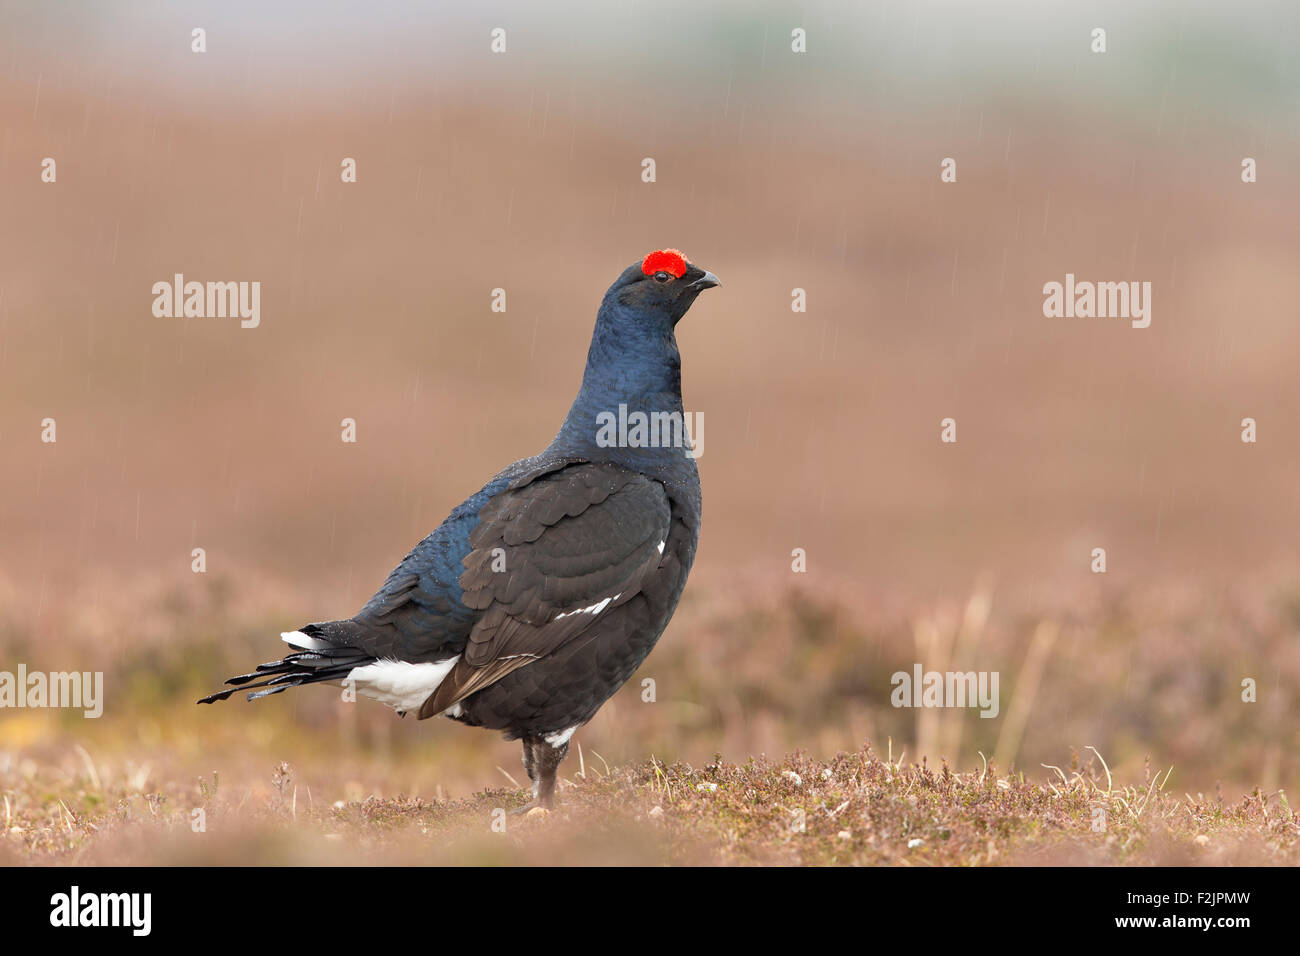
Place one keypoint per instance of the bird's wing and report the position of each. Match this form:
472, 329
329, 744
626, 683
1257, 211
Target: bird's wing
552, 554
417, 614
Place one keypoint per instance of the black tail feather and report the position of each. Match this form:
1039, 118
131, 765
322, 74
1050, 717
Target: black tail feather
301, 667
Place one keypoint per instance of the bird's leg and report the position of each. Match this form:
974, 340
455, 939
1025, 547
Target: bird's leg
528, 759
542, 761
547, 760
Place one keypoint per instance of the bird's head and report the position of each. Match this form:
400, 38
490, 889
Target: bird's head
663, 284
633, 361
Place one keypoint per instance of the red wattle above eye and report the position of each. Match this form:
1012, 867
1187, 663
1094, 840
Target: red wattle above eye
665, 260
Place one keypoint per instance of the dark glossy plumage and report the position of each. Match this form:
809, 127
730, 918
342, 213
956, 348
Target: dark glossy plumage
541, 594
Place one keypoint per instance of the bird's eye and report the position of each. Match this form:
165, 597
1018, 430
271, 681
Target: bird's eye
662, 277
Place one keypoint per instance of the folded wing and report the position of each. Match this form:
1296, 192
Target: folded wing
551, 556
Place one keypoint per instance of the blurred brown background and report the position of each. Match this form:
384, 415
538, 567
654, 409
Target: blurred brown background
776, 171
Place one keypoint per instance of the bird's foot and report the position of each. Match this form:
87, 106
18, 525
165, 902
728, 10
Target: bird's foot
534, 809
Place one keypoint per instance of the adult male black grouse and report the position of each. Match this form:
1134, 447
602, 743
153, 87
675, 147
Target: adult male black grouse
540, 595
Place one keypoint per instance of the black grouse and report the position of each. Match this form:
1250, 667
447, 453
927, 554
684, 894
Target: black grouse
539, 596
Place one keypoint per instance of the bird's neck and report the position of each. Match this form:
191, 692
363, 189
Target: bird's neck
632, 367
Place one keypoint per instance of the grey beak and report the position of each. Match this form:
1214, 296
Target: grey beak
706, 281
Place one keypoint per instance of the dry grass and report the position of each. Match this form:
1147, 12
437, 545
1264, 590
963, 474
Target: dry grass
856, 809
306, 778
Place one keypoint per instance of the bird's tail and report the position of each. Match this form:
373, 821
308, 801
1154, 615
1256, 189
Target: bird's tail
318, 655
